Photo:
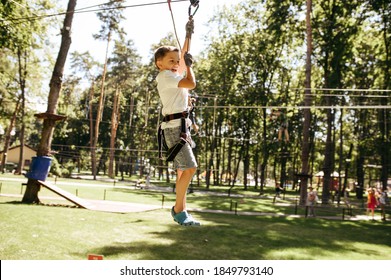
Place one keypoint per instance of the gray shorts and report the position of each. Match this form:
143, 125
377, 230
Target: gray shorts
185, 159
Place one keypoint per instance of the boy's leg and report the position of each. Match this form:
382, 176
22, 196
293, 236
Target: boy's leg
182, 184
186, 166
286, 135
280, 134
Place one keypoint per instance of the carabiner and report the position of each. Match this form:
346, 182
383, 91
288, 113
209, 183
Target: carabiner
196, 4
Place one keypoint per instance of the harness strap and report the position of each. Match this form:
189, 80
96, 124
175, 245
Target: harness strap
161, 142
183, 127
174, 150
175, 116
184, 136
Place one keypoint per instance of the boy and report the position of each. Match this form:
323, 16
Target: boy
173, 90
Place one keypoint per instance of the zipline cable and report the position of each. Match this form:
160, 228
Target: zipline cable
350, 95
372, 106
301, 107
344, 89
83, 10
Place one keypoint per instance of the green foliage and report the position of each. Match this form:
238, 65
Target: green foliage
55, 168
19, 25
111, 18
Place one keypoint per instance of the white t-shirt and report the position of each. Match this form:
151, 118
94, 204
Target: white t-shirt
173, 98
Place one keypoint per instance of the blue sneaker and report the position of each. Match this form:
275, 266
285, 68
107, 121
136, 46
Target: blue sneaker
184, 219
173, 213
195, 222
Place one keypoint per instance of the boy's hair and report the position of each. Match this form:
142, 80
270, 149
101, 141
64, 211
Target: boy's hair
162, 51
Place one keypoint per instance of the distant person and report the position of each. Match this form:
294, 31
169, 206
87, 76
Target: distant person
278, 190
283, 123
371, 202
312, 198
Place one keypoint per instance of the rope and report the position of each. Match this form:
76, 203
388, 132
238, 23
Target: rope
189, 24
173, 23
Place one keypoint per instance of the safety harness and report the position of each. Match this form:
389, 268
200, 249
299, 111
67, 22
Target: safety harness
184, 136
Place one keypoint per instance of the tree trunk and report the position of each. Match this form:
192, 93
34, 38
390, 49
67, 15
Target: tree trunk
100, 111
265, 153
22, 82
328, 156
114, 126
385, 145
246, 164
341, 158
7, 140
305, 153
21, 151
50, 117
91, 116
284, 158
347, 165
210, 165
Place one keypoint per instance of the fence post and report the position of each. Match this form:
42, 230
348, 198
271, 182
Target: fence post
306, 211
162, 200
236, 208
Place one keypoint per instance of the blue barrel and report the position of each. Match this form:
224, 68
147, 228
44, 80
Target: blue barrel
39, 168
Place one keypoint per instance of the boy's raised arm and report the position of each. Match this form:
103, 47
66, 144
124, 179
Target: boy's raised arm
185, 48
186, 44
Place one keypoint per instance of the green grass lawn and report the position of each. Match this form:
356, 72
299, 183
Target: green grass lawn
38, 232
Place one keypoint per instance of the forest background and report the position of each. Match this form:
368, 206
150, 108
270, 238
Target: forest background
255, 60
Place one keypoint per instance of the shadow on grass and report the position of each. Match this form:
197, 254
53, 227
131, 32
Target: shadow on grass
254, 238
42, 204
